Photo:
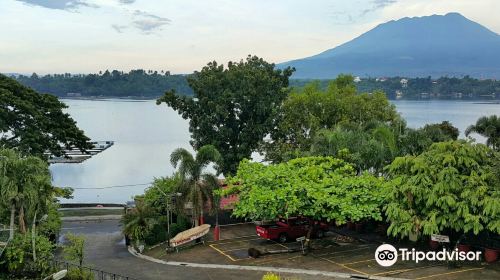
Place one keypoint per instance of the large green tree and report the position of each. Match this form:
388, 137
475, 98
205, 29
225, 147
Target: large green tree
415, 141
488, 127
452, 188
196, 184
35, 123
369, 148
319, 188
309, 110
233, 107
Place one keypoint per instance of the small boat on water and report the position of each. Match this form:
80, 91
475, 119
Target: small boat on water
189, 235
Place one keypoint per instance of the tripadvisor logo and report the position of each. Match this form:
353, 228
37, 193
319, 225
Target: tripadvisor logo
387, 255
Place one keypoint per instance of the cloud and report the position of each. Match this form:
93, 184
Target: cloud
119, 28
126, 1
357, 11
67, 5
147, 22
378, 4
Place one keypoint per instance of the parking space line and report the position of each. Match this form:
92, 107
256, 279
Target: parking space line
281, 245
230, 250
222, 252
369, 260
344, 266
452, 272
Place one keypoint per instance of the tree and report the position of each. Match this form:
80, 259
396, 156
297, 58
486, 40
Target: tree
309, 110
448, 189
233, 108
138, 221
443, 131
416, 141
319, 188
18, 260
25, 187
488, 127
35, 123
369, 148
74, 250
160, 195
195, 184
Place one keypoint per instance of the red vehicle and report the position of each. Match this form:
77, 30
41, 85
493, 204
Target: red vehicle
290, 229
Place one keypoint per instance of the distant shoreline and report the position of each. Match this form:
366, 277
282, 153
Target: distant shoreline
484, 101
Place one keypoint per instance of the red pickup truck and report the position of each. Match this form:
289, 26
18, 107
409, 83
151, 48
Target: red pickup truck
290, 229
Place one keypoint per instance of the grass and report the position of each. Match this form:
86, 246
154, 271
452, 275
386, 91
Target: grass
90, 212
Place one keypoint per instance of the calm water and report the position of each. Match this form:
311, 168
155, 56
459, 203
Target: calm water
145, 134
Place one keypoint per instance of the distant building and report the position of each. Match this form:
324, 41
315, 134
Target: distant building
383, 79
357, 79
399, 94
73, 94
404, 83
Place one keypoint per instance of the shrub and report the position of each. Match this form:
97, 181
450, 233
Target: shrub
79, 274
17, 260
271, 276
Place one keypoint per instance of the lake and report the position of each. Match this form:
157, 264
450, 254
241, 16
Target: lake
145, 134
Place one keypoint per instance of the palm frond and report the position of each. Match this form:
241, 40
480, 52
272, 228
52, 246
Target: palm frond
208, 154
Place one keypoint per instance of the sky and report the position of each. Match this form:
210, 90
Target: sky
86, 36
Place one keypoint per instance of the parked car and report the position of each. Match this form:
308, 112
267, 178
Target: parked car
290, 229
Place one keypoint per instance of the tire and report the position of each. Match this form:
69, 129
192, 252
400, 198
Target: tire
282, 238
320, 234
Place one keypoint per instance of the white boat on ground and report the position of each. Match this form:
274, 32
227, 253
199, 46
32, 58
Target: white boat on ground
189, 235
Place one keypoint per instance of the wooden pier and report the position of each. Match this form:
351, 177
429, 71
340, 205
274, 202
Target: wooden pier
74, 155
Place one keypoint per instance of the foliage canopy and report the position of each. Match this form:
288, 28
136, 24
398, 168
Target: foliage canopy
35, 123
450, 187
233, 108
320, 188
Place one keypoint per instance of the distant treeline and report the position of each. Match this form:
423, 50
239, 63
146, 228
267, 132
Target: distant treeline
136, 83
417, 88
151, 84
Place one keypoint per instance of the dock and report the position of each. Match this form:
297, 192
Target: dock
74, 155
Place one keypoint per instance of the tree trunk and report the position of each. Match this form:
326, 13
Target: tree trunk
22, 224
307, 244
12, 217
33, 236
202, 205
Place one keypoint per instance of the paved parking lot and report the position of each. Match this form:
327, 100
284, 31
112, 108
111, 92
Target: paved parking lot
356, 258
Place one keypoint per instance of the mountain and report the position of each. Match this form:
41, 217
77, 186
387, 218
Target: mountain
437, 45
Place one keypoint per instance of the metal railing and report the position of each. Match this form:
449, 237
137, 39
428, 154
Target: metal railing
98, 274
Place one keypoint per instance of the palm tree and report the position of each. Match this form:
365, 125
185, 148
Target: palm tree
196, 185
488, 127
138, 221
25, 186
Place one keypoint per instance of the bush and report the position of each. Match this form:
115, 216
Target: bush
159, 232
79, 274
271, 276
17, 260
156, 235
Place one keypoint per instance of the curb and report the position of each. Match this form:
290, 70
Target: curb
260, 268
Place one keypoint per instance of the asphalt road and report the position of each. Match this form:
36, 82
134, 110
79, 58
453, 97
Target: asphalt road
105, 250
